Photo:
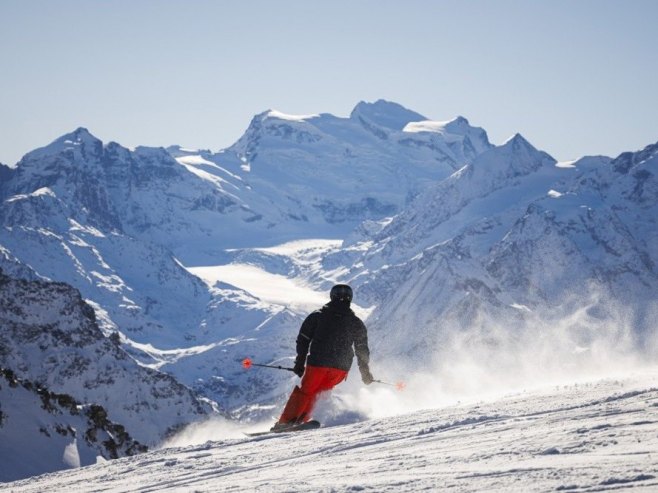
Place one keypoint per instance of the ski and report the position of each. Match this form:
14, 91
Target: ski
309, 425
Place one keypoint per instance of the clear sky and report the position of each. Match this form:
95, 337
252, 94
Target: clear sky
574, 77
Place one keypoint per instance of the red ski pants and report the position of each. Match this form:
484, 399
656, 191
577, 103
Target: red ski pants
316, 379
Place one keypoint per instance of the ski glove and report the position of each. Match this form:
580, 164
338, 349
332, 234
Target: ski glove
298, 369
366, 376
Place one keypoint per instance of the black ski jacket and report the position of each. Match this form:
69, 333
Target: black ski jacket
331, 336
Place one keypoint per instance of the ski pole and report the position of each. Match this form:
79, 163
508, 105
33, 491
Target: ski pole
399, 385
247, 363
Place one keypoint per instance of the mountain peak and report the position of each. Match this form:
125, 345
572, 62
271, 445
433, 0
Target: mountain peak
625, 161
386, 114
80, 142
79, 136
518, 154
81, 131
517, 142
458, 121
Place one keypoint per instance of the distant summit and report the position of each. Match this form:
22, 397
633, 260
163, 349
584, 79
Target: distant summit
385, 114
79, 144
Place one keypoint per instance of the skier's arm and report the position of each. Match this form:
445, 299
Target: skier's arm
362, 352
304, 339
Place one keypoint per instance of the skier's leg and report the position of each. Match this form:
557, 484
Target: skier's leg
309, 405
330, 377
296, 402
302, 396
333, 377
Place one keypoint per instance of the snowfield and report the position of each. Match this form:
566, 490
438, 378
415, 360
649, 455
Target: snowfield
591, 436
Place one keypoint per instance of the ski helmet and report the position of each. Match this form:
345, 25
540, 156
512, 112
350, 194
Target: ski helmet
341, 292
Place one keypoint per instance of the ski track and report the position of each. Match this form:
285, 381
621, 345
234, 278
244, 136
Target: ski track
582, 438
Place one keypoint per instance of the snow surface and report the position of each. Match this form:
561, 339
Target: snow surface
293, 118
255, 276
581, 437
272, 288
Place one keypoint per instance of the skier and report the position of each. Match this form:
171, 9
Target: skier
326, 344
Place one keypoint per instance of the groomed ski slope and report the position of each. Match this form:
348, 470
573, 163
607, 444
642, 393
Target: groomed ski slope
598, 436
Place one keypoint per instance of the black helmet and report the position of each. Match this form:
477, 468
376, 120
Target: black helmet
341, 292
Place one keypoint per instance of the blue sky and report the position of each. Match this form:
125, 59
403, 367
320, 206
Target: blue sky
574, 77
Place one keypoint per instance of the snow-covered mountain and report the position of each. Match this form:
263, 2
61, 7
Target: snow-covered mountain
119, 225
193, 260
590, 436
41, 431
50, 336
103, 219
515, 238
319, 176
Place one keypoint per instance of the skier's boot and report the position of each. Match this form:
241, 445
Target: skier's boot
278, 427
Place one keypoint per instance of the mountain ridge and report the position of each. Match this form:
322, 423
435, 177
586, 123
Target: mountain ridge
43, 431
50, 335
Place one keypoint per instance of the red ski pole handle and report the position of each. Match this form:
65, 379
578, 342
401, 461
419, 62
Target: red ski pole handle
247, 363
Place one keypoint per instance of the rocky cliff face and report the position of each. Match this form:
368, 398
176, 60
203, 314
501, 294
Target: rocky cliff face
42, 431
512, 239
50, 336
